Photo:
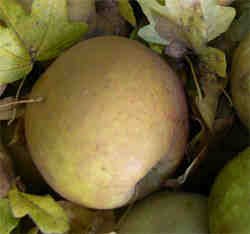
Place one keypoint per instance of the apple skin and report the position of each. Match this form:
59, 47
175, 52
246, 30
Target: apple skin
240, 81
114, 113
229, 198
168, 213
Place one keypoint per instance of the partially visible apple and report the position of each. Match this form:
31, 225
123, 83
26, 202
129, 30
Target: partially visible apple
229, 204
168, 213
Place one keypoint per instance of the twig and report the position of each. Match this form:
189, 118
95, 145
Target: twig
16, 99
39, 99
228, 97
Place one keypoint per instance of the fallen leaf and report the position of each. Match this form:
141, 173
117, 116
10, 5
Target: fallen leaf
156, 48
198, 21
212, 88
82, 11
15, 59
191, 23
5, 179
149, 33
195, 153
47, 30
127, 11
204, 97
83, 220
109, 19
200, 152
205, 141
41, 35
2, 88
201, 179
7, 221
239, 29
79, 217
215, 60
33, 230
6, 171
78, 11
15, 143
43, 210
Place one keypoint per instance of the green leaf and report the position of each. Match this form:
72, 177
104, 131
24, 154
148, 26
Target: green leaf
149, 34
205, 98
7, 221
41, 35
15, 61
207, 105
199, 22
215, 59
127, 11
47, 31
156, 48
193, 23
43, 210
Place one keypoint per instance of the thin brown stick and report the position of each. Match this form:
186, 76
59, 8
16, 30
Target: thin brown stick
39, 99
16, 99
227, 97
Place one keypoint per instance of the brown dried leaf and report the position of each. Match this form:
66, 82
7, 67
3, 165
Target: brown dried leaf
215, 158
196, 151
200, 146
2, 88
86, 221
109, 19
6, 171
208, 141
15, 142
212, 88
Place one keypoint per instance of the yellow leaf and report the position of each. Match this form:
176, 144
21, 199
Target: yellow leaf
43, 210
7, 221
192, 23
127, 11
41, 35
